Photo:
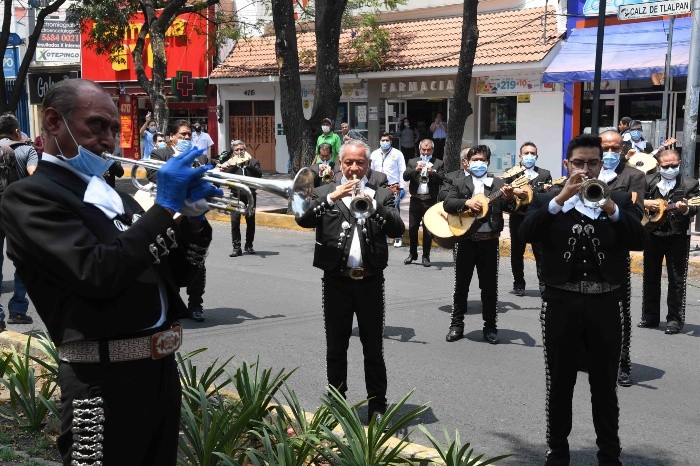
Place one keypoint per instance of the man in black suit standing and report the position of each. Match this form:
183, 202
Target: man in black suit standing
621, 177
180, 143
425, 175
452, 176
671, 240
478, 247
584, 270
242, 163
539, 177
353, 254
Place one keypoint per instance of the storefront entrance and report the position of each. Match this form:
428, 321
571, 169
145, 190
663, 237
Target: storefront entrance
253, 122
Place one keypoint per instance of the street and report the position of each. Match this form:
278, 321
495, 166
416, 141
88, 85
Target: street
268, 306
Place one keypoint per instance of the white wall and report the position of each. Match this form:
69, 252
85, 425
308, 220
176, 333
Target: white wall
541, 121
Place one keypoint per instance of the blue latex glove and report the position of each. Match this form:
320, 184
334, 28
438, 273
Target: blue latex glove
174, 179
402, 193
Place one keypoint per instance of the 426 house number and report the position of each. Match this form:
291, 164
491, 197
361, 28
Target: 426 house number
249, 92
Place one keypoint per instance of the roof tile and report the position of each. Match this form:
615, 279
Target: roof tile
513, 36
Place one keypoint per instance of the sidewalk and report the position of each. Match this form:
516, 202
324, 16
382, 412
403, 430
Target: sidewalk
271, 212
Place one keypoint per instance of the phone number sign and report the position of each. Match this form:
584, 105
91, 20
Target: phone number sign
512, 85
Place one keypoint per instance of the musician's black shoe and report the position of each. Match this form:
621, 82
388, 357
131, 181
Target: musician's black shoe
426, 261
410, 258
454, 334
197, 313
491, 336
249, 249
518, 291
647, 323
673, 328
236, 253
624, 379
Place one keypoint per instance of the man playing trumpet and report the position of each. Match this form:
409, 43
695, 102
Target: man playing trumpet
241, 162
323, 168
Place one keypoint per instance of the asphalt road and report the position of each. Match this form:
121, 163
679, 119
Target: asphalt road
268, 307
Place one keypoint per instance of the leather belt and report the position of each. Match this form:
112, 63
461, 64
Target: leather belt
156, 346
422, 197
357, 273
585, 287
484, 235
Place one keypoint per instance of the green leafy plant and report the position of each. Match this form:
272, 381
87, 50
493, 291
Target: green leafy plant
367, 447
30, 394
208, 379
456, 454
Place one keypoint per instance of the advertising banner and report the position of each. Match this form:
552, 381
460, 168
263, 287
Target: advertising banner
39, 83
59, 41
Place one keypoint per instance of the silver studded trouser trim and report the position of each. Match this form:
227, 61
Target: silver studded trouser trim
88, 432
625, 363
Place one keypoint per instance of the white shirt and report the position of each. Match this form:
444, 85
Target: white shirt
201, 140
479, 184
531, 173
666, 185
392, 164
607, 175
574, 202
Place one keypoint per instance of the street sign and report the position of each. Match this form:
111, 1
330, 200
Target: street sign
651, 9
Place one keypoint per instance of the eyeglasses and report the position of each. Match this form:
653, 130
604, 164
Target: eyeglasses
675, 165
579, 164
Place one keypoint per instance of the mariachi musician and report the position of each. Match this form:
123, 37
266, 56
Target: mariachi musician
323, 168
623, 178
668, 190
539, 179
478, 248
424, 174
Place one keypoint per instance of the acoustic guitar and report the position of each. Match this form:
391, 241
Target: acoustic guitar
461, 223
435, 220
529, 195
646, 162
512, 173
656, 219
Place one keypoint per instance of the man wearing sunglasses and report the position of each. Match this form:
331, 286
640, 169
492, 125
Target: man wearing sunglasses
584, 271
668, 189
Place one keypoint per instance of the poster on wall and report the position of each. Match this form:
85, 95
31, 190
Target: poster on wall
512, 85
59, 40
128, 133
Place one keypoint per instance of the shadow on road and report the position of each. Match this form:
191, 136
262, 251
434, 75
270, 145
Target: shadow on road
400, 334
225, 316
642, 373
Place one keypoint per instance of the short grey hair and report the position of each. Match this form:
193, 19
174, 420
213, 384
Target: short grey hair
432, 144
354, 143
464, 154
237, 142
64, 95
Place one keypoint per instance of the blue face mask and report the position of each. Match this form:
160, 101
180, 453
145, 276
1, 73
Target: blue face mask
478, 168
183, 145
385, 145
636, 134
152, 129
162, 145
610, 160
86, 161
669, 173
529, 161
426, 158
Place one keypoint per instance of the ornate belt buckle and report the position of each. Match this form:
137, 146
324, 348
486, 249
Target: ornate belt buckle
166, 342
357, 274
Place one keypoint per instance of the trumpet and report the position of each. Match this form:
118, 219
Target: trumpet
299, 190
326, 173
424, 174
593, 193
361, 204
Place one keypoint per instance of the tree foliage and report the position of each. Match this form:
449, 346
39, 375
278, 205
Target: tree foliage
111, 23
31, 41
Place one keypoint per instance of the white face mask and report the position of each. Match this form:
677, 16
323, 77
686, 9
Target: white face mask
669, 173
325, 128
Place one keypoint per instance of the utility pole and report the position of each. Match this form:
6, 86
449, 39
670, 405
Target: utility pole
692, 96
595, 105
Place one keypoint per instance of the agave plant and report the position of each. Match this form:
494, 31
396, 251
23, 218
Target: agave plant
212, 379
30, 393
367, 447
456, 454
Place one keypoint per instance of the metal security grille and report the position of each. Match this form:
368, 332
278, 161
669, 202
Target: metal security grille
254, 123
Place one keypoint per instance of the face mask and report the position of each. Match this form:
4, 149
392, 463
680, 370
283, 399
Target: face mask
407, 125
425, 158
325, 128
478, 168
636, 134
161, 145
610, 160
529, 161
669, 173
385, 145
183, 145
85, 162
152, 129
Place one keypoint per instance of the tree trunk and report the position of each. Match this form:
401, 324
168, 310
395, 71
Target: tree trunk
461, 108
301, 133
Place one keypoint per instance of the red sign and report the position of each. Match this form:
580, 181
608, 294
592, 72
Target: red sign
185, 50
128, 117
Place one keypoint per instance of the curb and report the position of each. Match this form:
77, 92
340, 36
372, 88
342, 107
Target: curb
278, 220
10, 338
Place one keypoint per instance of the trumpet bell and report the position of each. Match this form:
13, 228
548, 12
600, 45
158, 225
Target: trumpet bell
593, 193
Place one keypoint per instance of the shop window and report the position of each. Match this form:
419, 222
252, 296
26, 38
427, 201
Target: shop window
639, 85
498, 117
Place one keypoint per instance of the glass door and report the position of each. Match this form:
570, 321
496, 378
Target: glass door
395, 111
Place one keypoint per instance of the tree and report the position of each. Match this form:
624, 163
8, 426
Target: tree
461, 107
31, 42
107, 34
329, 17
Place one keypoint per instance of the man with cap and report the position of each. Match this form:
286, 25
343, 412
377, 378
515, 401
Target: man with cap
329, 137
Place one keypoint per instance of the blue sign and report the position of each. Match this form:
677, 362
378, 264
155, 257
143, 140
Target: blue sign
10, 63
590, 7
14, 39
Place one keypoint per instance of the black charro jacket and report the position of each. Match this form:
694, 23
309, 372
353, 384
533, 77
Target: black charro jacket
685, 188
462, 188
435, 178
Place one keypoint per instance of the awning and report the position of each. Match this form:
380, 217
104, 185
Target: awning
630, 51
